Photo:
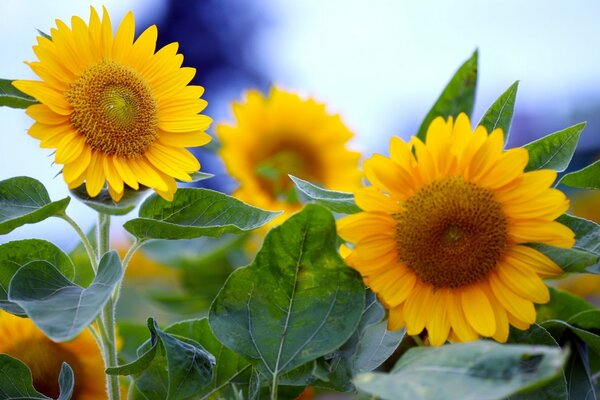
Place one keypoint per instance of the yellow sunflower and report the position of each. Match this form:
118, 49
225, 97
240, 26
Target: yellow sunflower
114, 110
285, 134
442, 236
21, 339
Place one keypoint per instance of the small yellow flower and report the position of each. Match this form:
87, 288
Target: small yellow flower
442, 236
114, 110
21, 339
284, 134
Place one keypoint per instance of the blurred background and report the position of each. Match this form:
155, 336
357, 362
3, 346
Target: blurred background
380, 64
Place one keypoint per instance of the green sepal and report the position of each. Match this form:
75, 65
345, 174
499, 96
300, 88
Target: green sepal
12, 97
500, 113
457, 97
555, 150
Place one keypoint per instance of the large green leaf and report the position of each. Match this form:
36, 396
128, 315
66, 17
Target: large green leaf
230, 368
336, 201
194, 213
103, 203
476, 370
59, 307
457, 97
170, 366
16, 382
555, 150
296, 302
14, 255
500, 114
10, 96
586, 178
24, 200
579, 377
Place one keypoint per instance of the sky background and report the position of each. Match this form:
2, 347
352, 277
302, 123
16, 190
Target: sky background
380, 64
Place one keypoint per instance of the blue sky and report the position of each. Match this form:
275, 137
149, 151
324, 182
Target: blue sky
381, 64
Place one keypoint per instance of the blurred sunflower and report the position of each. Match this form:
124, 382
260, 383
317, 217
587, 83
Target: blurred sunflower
284, 134
21, 339
441, 239
114, 110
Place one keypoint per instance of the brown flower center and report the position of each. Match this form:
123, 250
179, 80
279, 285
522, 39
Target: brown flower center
451, 233
287, 159
114, 108
44, 358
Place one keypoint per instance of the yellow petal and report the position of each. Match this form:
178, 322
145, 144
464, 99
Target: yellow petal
417, 309
478, 310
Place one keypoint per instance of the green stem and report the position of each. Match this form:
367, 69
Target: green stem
128, 256
274, 388
89, 249
106, 321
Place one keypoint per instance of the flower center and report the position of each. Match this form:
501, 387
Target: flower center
44, 358
451, 233
273, 172
113, 107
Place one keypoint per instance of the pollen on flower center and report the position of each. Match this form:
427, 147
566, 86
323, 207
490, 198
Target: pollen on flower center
451, 233
44, 358
114, 108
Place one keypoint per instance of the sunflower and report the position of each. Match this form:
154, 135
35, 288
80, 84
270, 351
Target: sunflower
442, 238
21, 339
284, 134
114, 110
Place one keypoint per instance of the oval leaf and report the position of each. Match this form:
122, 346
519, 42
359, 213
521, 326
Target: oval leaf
24, 200
468, 371
457, 97
104, 204
230, 368
500, 114
169, 366
586, 178
339, 202
555, 150
14, 255
296, 302
58, 306
10, 96
194, 213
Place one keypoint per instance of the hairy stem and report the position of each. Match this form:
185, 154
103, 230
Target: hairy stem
89, 249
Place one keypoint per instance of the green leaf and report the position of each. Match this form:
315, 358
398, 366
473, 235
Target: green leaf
194, 213
500, 114
200, 176
14, 255
466, 371
586, 178
296, 302
59, 307
586, 251
368, 347
570, 260
555, 150
230, 368
557, 388
16, 382
170, 366
66, 382
457, 97
103, 203
24, 200
339, 202
579, 376
567, 313
10, 96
